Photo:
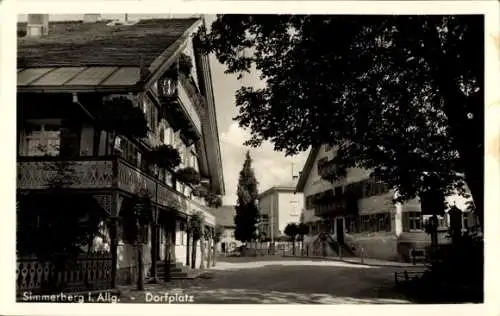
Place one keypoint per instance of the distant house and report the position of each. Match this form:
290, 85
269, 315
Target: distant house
224, 216
279, 206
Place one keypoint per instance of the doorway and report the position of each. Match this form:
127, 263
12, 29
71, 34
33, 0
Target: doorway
339, 228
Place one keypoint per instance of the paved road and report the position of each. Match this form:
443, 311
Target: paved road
281, 281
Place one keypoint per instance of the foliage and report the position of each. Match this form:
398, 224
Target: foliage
136, 215
119, 115
196, 222
164, 156
247, 212
54, 225
219, 230
455, 273
399, 95
185, 65
291, 230
302, 230
188, 175
213, 200
200, 190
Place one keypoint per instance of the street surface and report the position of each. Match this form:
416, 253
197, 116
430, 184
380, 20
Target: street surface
275, 281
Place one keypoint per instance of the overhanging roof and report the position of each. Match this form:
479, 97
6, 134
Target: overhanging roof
77, 78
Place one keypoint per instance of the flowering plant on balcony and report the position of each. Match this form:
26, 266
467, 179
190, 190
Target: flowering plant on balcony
119, 116
185, 65
213, 200
189, 176
200, 190
164, 156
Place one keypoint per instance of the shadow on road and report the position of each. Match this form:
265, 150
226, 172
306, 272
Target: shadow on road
286, 282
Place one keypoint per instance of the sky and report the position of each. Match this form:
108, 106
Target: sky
270, 167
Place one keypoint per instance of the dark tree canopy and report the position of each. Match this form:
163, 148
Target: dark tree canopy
247, 212
399, 95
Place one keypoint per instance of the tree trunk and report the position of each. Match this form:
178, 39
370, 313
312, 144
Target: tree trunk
140, 268
154, 252
293, 247
214, 253
202, 253
193, 254
188, 249
209, 251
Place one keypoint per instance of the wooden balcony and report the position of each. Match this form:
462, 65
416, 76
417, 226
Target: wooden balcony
328, 169
334, 205
105, 173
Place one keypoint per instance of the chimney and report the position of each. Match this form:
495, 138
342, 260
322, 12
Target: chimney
38, 25
91, 17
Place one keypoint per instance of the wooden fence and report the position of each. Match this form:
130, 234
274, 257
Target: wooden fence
91, 271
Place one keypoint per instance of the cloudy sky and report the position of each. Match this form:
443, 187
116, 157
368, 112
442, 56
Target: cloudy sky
271, 168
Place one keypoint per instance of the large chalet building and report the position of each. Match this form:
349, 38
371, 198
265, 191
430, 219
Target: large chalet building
65, 71
356, 214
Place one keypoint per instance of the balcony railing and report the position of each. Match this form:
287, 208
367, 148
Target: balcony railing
34, 173
187, 103
330, 207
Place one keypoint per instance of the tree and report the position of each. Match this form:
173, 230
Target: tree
247, 212
399, 95
196, 227
292, 230
56, 225
137, 214
219, 230
302, 230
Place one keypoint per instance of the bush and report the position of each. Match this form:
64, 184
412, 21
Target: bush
188, 176
164, 156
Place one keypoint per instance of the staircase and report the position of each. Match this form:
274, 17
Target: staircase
324, 239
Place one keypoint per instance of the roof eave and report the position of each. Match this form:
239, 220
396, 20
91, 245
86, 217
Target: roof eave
79, 89
307, 169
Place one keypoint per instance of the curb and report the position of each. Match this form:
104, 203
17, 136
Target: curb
395, 265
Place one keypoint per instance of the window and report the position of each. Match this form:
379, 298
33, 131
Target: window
168, 139
151, 113
412, 221
42, 139
309, 204
328, 147
294, 208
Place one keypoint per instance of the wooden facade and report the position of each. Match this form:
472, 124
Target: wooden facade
108, 168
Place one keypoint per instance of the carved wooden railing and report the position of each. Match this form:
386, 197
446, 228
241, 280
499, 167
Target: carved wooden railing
90, 271
34, 173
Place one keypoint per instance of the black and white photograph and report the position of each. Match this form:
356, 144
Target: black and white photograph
256, 158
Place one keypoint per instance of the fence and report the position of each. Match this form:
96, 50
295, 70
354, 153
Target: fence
90, 272
281, 248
